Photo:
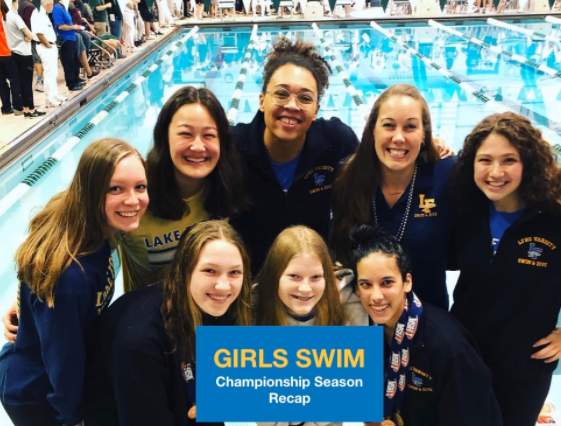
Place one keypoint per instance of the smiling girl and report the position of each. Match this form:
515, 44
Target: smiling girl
434, 375
194, 175
397, 181
297, 285
507, 244
142, 371
67, 279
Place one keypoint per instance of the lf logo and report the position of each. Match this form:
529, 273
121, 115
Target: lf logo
426, 203
534, 252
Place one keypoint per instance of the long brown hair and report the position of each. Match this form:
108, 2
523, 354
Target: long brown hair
73, 223
360, 178
541, 176
293, 242
180, 312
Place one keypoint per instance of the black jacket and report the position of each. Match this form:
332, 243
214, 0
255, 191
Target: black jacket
447, 381
132, 379
510, 300
307, 201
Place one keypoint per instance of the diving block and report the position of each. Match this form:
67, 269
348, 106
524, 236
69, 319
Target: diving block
314, 10
428, 8
540, 6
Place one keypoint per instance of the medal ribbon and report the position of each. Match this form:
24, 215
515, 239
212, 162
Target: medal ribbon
188, 373
401, 343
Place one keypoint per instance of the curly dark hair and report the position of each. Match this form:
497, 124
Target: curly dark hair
180, 312
302, 54
541, 177
224, 191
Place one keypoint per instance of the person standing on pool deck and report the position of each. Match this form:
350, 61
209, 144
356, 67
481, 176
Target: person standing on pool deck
508, 245
290, 157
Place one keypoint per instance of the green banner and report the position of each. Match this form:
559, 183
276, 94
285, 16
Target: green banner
149, 4
332, 5
207, 6
37, 4
385, 4
442, 4
496, 3
551, 2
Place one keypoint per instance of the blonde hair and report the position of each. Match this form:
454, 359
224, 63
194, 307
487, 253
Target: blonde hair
180, 312
293, 242
73, 223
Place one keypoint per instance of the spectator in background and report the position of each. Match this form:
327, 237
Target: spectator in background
115, 18
48, 52
19, 39
9, 95
99, 10
83, 40
26, 10
66, 30
129, 27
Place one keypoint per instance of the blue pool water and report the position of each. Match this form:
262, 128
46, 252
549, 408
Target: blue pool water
370, 59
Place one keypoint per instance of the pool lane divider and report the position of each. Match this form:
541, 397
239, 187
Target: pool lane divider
236, 96
553, 20
525, 31
513, 56
351, 90
464, 85
25, 185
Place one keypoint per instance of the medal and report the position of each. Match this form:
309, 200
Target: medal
398, 419
192, 413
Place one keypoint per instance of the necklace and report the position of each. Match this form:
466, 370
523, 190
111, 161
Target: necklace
405, 217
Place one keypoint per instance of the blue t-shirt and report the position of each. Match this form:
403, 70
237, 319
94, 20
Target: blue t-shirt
62, 17
285, 172
499, 222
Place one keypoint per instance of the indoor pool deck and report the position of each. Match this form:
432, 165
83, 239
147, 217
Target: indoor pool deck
13, 128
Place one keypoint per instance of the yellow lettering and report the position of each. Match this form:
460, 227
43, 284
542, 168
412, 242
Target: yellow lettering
224, 362
322, 356
248, 355
301, 354
280, 354
359, 358
262, 363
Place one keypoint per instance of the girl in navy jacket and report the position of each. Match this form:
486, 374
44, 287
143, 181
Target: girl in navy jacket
508, 243
434, 375
142, 367
67, 279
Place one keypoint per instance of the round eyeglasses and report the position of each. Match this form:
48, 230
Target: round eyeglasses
282, 97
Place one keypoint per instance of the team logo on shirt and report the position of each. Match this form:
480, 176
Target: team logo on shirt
391, 388
187, 371
320, 175
399, 332
401, 382
426, 205
319, 179
395, 361
534, 252
417, 381
405, 357
411, 327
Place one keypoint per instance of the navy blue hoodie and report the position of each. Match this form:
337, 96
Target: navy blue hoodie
308, 200
46, 363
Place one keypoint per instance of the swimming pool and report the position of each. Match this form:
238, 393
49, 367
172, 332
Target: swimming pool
461, 81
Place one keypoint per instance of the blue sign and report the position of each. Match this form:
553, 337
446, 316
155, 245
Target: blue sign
289, 374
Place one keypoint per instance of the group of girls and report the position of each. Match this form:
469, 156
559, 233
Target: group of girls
135, 364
